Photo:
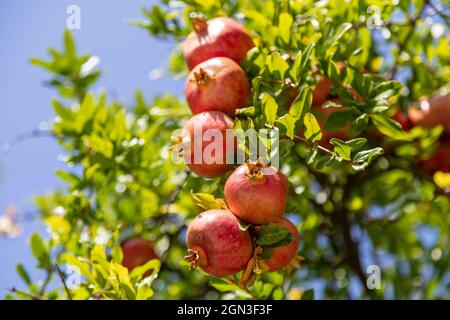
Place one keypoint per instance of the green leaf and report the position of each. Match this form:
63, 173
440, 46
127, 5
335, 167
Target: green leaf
138, 272
63, 112
285, 24
308, 295
276, 65
356, 144
288, 122
312, 128
388, 127
302, 103
363, 158
69, 46
342, 149
205, 201
39, 250
312, 154
271, 234
270, 108
23, 274
144, 292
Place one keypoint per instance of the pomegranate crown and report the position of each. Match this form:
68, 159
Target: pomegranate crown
200, 25
201, 78
255, 171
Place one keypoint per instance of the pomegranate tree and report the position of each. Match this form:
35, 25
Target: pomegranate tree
217, 84
218, 37
255, 196
216, 243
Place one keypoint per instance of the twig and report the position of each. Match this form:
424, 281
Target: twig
37, 133
404, 43
63, 280
176, 191
27, 294
319, 147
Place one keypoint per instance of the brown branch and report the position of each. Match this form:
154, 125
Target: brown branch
176, 191
27, 294
63, 280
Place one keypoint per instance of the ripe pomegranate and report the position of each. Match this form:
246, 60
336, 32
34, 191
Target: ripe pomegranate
217, 245
256, 193
218, 37
322, 116
206, 156
217, 84
401, 118
136, 252
432, 112
281, 256
321, 92
439, 161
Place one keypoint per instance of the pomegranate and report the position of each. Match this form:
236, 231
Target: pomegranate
439, 161
218, 37
432, 112
321, 92
136, 252
217, 245
281, 256
256, 193
217, 84
207, 156
322, 116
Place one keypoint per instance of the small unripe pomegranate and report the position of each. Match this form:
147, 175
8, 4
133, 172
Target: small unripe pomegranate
281, 256
204, 143
439, 161
256, 193
218, 37
432, 112
217, 84
137, 252
217, 244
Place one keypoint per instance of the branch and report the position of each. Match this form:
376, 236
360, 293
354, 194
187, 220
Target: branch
402, 46
63, 280
173, 196
27, 294
36, 133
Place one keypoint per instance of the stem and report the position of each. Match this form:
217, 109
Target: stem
63, 280
27, 294
173, 196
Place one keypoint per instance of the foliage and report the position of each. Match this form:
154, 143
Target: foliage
359, 202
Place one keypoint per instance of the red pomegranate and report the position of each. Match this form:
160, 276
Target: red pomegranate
432, 112
217, 245
439, 161
256, 193
217, 84
281, 256
204, 143
137, 252
321, 92
218, 37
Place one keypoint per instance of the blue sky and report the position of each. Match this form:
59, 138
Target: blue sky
28, 28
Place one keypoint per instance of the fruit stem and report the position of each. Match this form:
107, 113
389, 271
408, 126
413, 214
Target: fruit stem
193, 258
200, 25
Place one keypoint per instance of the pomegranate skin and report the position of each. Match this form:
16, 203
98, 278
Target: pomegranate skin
256, 201
321, 92
207, 120
435, 112
222, 248
225, 89
136, 252
218, 37
281, 256
439, 161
